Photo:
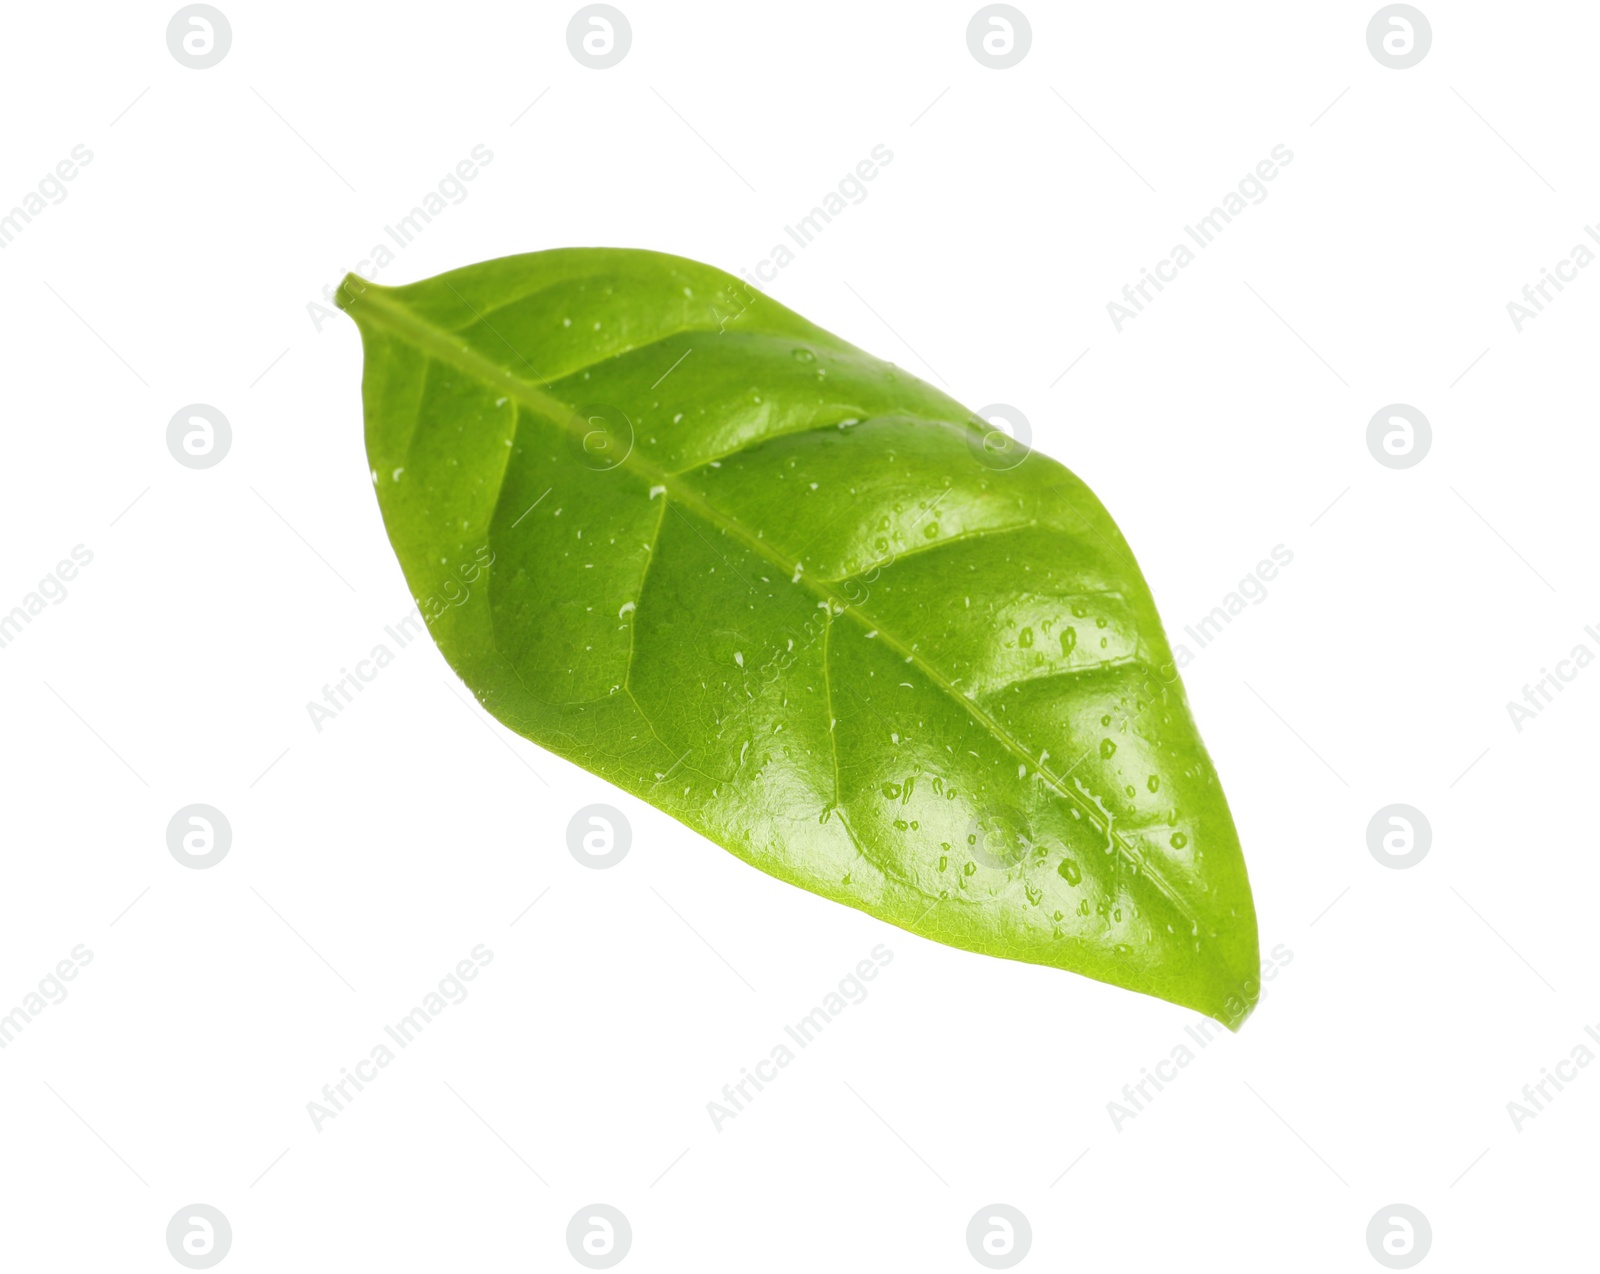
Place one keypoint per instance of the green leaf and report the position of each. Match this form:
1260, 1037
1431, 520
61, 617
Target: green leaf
802, 602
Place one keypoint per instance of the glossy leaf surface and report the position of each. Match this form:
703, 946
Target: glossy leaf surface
802, 602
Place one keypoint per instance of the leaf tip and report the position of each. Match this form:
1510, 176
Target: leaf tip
349, 291
1238, 999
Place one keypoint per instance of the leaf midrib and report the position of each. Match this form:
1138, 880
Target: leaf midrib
375, 304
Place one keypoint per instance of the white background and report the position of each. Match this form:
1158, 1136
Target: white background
369, 858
